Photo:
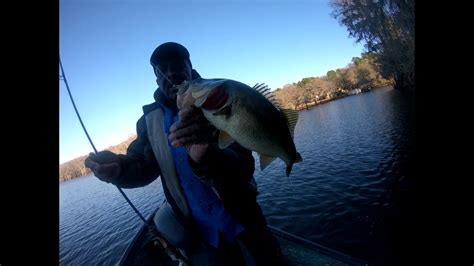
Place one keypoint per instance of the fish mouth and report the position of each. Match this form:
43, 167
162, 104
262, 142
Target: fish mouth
209, 94
216, 99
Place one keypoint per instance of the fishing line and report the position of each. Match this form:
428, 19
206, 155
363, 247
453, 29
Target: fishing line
162, 74
62, 76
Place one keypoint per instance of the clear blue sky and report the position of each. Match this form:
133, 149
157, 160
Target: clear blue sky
105, 46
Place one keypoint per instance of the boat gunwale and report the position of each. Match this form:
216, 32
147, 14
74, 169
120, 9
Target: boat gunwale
278, 232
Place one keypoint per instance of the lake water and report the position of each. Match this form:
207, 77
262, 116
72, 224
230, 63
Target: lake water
352, 192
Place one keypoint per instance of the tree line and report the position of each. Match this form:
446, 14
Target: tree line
362, 74
76, 168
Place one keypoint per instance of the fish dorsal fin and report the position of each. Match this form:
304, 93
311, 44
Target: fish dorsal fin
267, 93
265, 160
224, 139
291, 117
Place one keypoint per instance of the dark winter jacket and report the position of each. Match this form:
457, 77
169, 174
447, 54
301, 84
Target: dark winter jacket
229, 171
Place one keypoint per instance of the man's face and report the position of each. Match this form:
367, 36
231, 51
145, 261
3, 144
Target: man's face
177, 71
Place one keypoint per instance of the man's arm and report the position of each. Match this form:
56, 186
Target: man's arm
139, 166
135, 169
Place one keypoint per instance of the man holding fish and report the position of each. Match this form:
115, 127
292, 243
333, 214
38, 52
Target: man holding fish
198, 136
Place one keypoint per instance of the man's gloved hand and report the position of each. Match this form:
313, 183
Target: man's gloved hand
105, 165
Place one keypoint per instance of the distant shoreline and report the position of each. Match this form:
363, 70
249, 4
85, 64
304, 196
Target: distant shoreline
316, 103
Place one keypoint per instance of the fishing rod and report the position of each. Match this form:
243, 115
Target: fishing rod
63, 77
173, 252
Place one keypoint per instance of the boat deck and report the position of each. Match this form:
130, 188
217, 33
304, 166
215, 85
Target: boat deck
297, 250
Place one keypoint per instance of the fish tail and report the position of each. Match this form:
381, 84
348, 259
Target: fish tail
298, 158
288, 169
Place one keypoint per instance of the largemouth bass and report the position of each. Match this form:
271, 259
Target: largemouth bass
250, 116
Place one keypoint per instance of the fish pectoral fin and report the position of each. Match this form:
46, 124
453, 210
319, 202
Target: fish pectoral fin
224, 140
265, 160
